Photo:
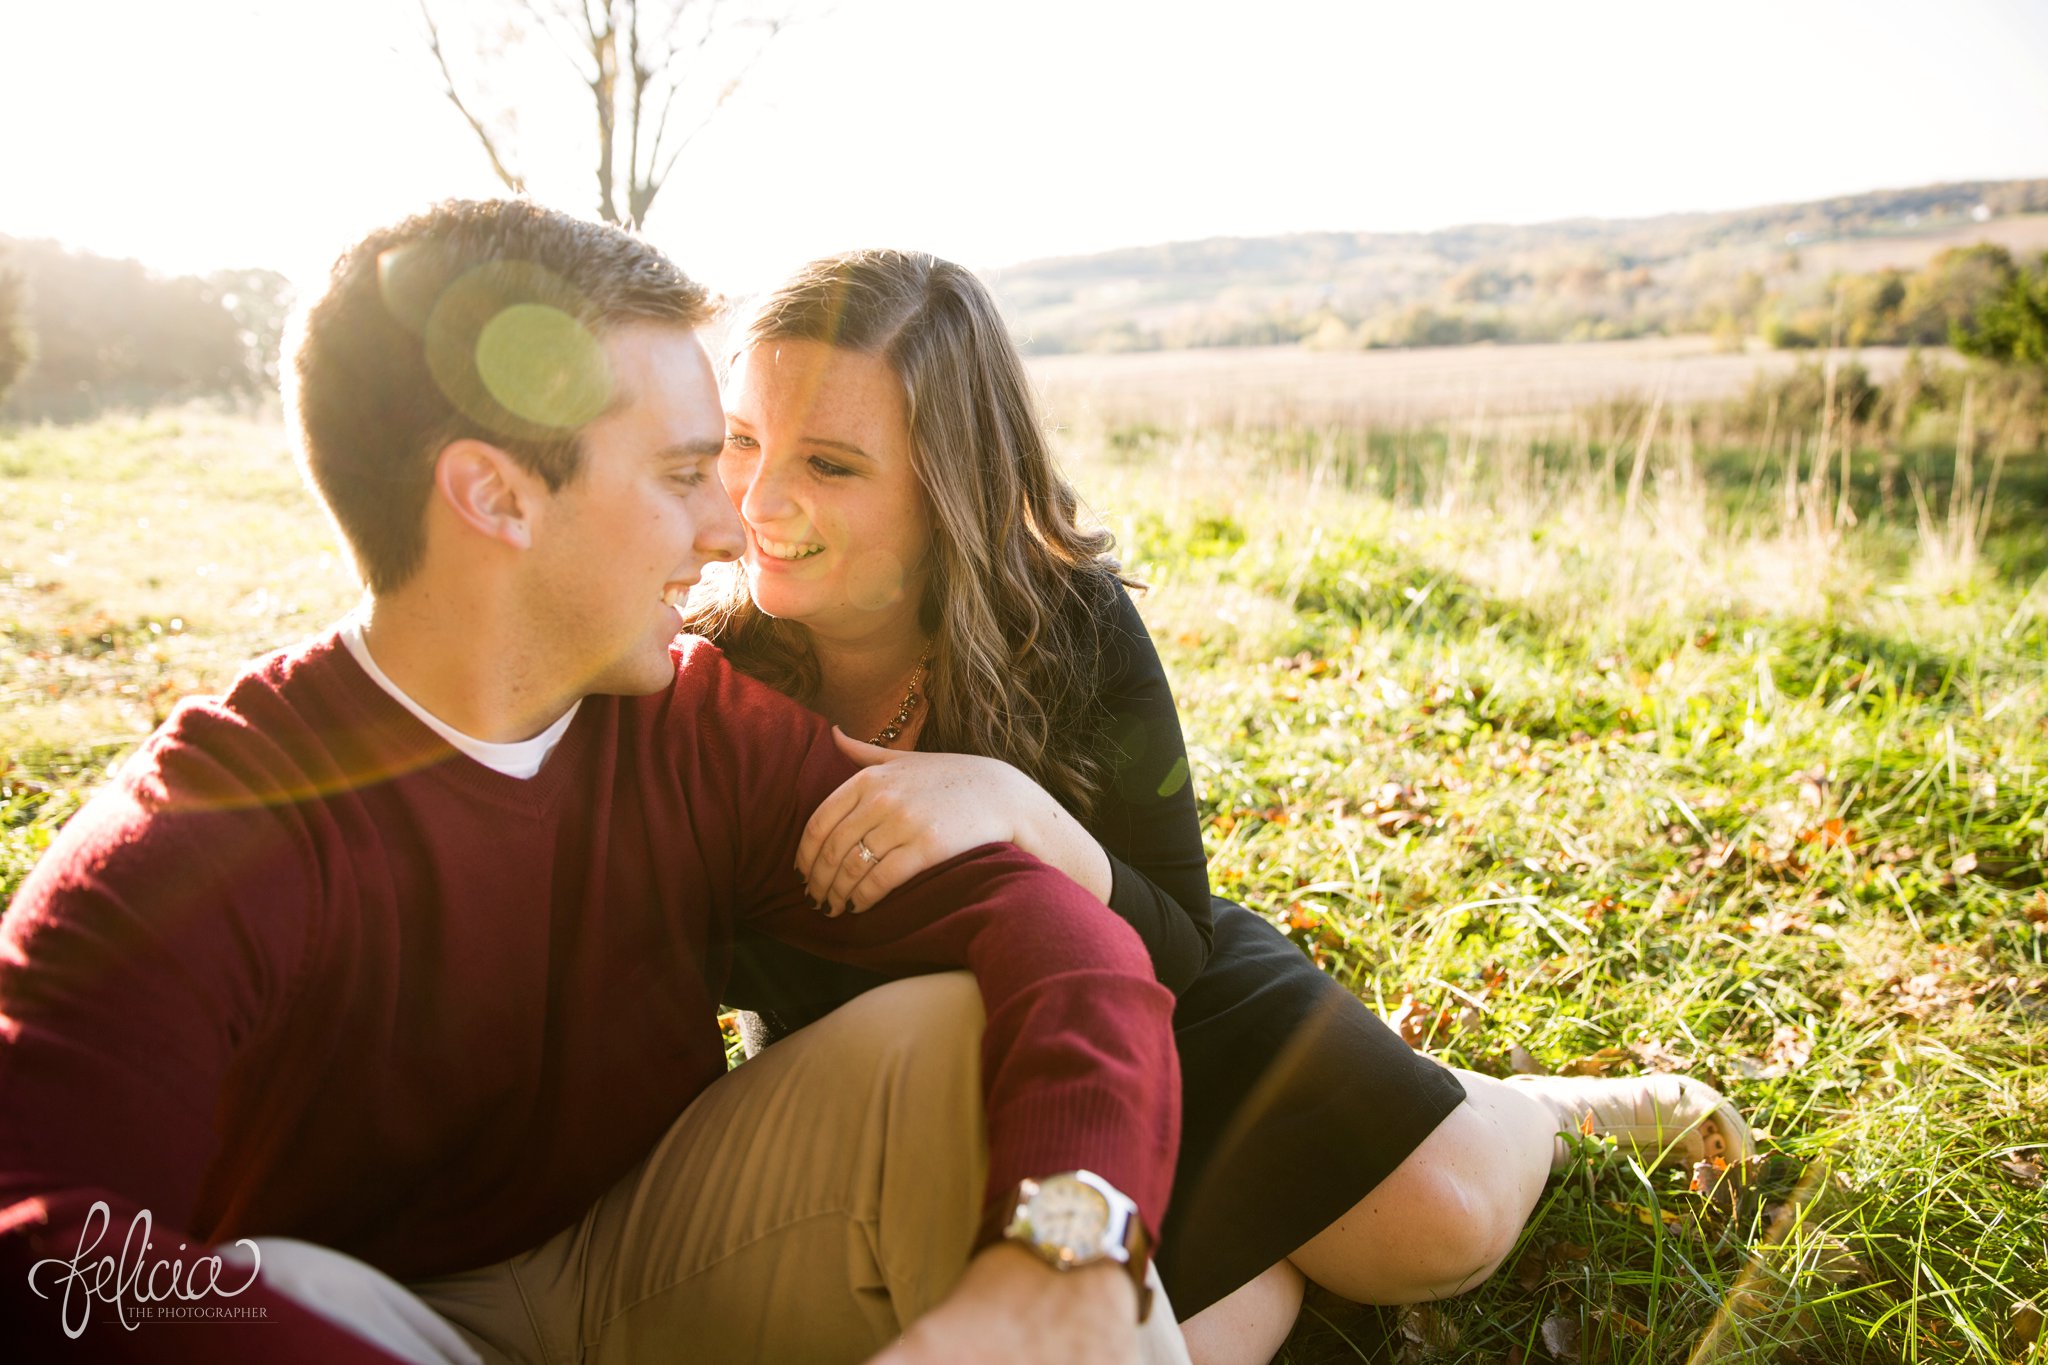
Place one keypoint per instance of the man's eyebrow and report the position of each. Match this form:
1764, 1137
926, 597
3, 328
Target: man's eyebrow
692, 450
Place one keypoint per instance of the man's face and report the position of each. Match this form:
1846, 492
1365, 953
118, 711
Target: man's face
615, 550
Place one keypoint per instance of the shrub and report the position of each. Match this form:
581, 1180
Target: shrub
111, 334
17, 342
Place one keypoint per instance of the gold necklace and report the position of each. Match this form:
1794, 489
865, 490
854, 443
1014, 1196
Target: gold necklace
888, 733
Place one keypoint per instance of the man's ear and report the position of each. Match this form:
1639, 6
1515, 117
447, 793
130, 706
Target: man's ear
488, 490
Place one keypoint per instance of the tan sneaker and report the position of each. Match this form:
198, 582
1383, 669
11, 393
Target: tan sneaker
1665, 1120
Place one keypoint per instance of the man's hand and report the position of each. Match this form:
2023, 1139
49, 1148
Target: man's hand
1011, 1308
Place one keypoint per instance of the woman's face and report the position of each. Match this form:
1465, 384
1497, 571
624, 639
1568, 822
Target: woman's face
817, 460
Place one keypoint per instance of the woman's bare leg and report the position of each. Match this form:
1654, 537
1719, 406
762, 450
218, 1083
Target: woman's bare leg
1438, 1225
1448, 1215
1249, 1325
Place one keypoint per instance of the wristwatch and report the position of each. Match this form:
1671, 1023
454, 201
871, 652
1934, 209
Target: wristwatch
1075, 1219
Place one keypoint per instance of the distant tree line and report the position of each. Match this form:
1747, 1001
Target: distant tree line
80, 334
1933, 306
1591, 299
1741, 277
17, 342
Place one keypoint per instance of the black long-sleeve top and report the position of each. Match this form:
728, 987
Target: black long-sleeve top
1144, 819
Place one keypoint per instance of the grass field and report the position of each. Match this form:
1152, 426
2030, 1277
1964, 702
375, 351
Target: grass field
1596, 755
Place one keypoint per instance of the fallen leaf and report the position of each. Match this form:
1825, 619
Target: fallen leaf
2024, 1169
1418, 1023
1655, 1055
2022, 1326
1523, 1062
1926, 994
1598, 1063
1782, 920
1649, 1218
1710, 1180
1721, 1185
1614, 1317
1718, 855
1789, 1050
1813, 785
1429, 1327
1561, 1337
1833, 833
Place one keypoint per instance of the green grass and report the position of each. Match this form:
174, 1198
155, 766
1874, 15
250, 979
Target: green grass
1693, 787
1619, 783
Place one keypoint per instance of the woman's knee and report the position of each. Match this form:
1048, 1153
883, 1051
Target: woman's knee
1439, 1224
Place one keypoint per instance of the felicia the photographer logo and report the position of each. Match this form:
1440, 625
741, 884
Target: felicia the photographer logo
138, 1286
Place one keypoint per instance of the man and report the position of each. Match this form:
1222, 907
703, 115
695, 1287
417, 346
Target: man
400, 962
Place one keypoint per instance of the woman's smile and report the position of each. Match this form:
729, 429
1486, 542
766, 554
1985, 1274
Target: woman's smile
784, 550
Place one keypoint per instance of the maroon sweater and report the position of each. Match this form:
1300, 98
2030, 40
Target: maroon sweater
302, 970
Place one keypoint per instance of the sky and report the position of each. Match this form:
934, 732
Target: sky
196, 134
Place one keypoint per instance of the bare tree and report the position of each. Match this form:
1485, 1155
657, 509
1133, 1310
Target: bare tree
657, 73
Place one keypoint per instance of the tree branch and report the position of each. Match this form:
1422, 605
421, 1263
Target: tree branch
640, 76
512, 180
676, 76
643, 193
546, 24
587, 35
604, 47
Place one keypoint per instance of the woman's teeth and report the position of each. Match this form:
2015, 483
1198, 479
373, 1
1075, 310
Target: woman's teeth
777, 549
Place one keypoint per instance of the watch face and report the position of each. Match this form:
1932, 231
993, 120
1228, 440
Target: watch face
1069, 1217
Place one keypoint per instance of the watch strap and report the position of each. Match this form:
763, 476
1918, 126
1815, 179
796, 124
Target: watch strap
1006, 1213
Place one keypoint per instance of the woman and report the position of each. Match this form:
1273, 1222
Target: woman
915, 572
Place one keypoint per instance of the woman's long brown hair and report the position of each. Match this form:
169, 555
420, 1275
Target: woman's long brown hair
1015, 590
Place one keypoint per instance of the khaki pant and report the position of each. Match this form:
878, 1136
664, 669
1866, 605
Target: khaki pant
806, 1207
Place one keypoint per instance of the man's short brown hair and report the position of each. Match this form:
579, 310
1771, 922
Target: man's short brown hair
474, 319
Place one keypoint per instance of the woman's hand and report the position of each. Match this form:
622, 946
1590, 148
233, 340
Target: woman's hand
912, 811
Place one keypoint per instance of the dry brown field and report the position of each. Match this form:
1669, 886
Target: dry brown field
2025, 236
1269, 384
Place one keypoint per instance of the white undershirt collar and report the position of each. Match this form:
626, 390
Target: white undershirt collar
521, 759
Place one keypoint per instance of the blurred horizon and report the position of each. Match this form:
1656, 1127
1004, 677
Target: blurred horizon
232, 134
